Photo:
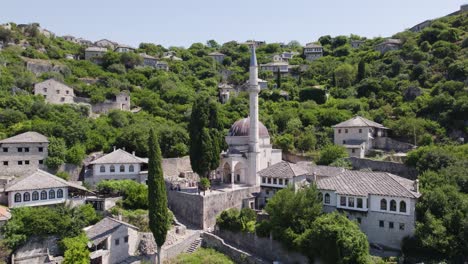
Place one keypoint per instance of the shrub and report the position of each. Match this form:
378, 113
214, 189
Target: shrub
331, 153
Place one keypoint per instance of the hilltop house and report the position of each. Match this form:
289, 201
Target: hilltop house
162, 65
40, 188
55, 92
112, 241
95, 53
149, 60
282, 67
225, 91
388, 45
117, 165
22, 153
313, 51
217, 56
123, 48
69, 38
357, 43
105, 43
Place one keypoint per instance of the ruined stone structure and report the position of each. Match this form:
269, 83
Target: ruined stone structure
120, 102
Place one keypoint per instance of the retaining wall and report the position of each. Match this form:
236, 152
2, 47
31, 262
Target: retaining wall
399, 169
389, 144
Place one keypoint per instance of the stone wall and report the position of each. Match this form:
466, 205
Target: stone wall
265, 248
239, 256
41, 66
173, 251
385, 166
186, 206
389, 144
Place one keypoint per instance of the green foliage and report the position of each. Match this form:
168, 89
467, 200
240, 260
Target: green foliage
134, 193
331, 153
318, 95
63, 175
202, 256
205, 184
57, 151
235, 220
76, 250
75, 154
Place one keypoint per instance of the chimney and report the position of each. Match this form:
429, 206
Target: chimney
133, 153
416, 185
123, 148
114, 148
119, 217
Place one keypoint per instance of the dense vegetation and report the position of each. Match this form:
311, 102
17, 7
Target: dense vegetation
202, 256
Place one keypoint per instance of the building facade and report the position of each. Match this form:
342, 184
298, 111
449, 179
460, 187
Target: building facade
55, 92
281, 66
313, 51
23, 153
217, 56
148, 60
123, 48
388, 45
95, 53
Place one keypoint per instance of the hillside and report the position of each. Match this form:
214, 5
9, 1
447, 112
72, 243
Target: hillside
419, 91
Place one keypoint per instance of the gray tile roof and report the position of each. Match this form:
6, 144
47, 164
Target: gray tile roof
118, 157
359, 121
102, 229
101, 49
27, 137
283, 169
362, 183
313, 45
320, 170
216, 54
40, 180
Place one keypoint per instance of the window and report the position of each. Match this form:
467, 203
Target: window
112, 168
26, 162
26, 149
126, 239
117, 242
45, 90
68, 92
41, 162
280, 181
263, 180
122, 168
359, 202
342, 200
5, 163
18, 198
360, 130
267, 192
20, 162
353, 150
43, 195
339, 131
131, 168
390, 225
383, 204
350, 201
274, 181
359, 220
327, 198
57, 91
40, 149
393, 205
59, 193
269, 180
286, 182
346, 131
26, 197
35, 196
51, 194
102, 168
20, 149
5, 149
381, 223
402, 226
62, 99
344, 141
402, 207
238, 177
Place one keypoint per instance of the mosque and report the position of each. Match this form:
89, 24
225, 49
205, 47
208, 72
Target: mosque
250, 149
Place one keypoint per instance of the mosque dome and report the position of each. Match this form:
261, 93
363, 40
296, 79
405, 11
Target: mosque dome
241, 128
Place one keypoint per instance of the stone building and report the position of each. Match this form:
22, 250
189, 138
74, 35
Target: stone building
40, 188
105, 43
55, 92
225, 91
162, 65
217, 56
120, 102
123, 48
281, 66
95, 53
388, 45
149, 60
313, 51
357, 135
112, 241
355, 44
117, 165
22, 154
69, 38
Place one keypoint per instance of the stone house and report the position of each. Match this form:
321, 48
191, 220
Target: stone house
388, 45
105, 43
40, 188
69, 38
287, 55
123, 48
225, 92
112, 241
283, 67
355, 44
120, 102
22, 154
313, 51
84, 42
95, 53
162, 65
55, 92
357, 135
117, 165
217, 56
419, 27
149, 60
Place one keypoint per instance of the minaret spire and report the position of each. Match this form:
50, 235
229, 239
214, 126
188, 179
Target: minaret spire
254, 148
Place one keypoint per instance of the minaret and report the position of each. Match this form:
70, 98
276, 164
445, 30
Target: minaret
254, 148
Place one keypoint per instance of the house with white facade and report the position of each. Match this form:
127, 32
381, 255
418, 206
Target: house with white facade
388, 45
23, 153
55, 92
105, 43
313, 51
217, 56
117, 165
95, 53
357, 135
40, 188
123, 48
281, 66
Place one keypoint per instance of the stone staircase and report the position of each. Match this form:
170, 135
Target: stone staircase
194, 246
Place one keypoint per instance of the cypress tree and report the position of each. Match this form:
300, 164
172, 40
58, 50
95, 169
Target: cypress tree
361, 74
278, 79
157, 199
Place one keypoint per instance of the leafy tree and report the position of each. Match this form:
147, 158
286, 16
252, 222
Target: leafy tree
344, 75
318, 95
331, 153
158, 212
63, 175
56, 152
76, 250
278, 79
204, 184
75, 154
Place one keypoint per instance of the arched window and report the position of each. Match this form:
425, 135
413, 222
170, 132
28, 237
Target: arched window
131, 168
403, 207
102, 168
393, 205
35, 196
26, 197
59, 193
51, 194
112, 168
327, 198
122, 168
383, 204
18, 198
43, 195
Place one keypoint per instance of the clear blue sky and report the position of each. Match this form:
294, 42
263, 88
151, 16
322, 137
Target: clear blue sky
182, 22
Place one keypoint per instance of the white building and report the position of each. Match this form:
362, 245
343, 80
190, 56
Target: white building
149, 60
225, 92
281, 66
357, 135
123, 48
388, 45
249, 147
105, 43
55, 92
313, 51
23, 154
117, 165
40, 188
217, 56
94, 53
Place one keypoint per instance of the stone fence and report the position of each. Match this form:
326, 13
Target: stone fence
265, 248
385, 166
389, 144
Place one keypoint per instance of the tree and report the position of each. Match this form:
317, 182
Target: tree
76, 250
57, 151
331, 153
278, 79
157, 198
204, 184
361, 74
344, 75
